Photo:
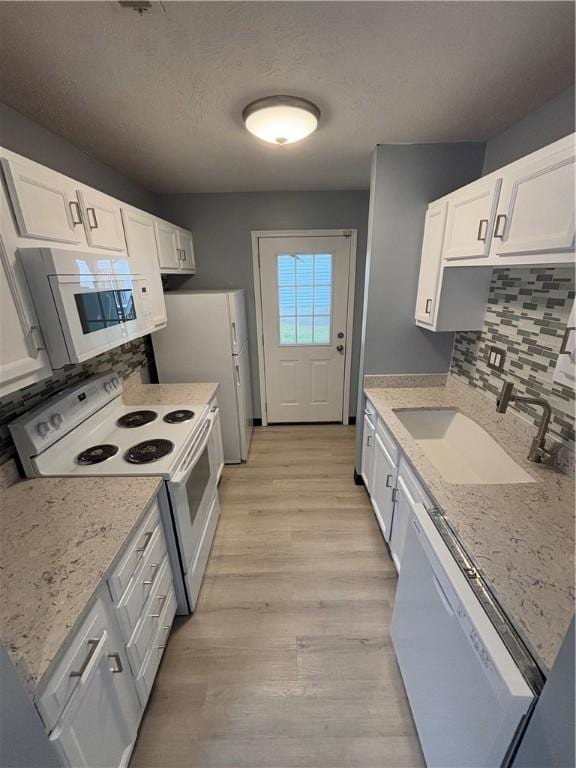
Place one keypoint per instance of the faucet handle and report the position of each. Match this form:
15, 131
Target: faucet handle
506, 395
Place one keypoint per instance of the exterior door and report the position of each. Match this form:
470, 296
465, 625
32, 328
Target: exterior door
304, 282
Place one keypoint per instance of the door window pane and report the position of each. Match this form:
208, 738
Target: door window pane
304, 283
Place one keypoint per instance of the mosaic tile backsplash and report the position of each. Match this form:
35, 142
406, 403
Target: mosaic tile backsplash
125, 360
527, 314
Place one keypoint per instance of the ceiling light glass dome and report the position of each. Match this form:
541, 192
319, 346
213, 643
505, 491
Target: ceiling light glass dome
281, 119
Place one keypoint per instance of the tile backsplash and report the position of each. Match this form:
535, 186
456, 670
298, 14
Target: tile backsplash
526, 316
135, 356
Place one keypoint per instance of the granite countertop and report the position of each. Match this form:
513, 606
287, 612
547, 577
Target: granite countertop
136, 393
59, 536
520, 537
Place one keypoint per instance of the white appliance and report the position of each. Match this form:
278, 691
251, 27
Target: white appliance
468, 697
88, 431
206, 339
86, 304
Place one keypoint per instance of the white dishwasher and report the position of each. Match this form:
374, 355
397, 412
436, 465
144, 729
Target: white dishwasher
468, 697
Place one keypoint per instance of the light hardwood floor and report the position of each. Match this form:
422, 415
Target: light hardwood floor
287, 661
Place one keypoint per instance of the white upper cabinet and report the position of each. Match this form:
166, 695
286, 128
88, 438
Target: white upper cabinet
167, 242
186, 244
536, 209
431, 260
141, 242
44, 202
175, 248
102, 220
471, 214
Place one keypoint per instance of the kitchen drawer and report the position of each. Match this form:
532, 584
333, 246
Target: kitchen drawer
136, 550
388, 440
142, 584
417, 490
145, 679
147, 627
67, 674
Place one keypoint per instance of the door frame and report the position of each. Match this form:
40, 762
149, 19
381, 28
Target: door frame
257, 235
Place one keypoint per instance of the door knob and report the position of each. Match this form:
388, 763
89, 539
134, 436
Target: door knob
340, 347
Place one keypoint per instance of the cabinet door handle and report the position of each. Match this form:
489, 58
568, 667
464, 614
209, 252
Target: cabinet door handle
237, 375
183, 254
92, 646
395, 495
92, 220
116, 658
75, 212
500, 225
369, 440
151, 581
482, 230
162, 599
428, 307
147, 537
389, 479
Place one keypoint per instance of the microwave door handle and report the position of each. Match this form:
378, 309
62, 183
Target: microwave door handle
194, 453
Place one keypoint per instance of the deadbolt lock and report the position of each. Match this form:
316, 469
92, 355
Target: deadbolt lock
340, 335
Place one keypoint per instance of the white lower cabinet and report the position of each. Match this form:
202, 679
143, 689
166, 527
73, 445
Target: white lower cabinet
384, 480
368, 448
147, 606
99, 719
392, 485
92, 702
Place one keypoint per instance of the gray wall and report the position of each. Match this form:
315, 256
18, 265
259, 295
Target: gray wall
222, 224
543, 126
23, 740
29, 139
405, 178
549, 738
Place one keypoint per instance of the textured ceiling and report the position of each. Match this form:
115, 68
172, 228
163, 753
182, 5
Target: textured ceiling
159, 97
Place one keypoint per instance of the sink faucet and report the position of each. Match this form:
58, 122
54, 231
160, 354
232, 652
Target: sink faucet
538, 449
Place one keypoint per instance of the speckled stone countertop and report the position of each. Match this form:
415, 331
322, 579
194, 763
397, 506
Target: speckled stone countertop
521, 537
59, 537
136, 393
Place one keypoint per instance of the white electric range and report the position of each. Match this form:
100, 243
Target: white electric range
88, 431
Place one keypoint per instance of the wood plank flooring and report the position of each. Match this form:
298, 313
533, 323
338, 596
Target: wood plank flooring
287, 662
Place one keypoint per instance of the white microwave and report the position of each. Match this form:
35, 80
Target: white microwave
85, 304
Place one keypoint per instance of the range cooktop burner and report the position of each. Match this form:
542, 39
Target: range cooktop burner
176, 417
97, 453
136, 419
149, 450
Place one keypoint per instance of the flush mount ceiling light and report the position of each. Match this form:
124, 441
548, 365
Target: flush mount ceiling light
281, 119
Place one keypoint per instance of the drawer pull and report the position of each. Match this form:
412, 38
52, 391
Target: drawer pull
118, 668
147, 537
369, 440
151, 581
162, 599
389, 479
92, 646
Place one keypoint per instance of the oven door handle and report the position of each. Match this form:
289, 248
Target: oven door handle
194, 453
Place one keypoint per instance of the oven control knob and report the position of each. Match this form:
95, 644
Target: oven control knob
56, 420
107, 387
115, 382
42, 428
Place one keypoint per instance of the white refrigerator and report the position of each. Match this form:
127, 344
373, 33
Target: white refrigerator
206, 339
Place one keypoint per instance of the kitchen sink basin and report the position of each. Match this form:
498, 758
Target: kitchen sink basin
459, 448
